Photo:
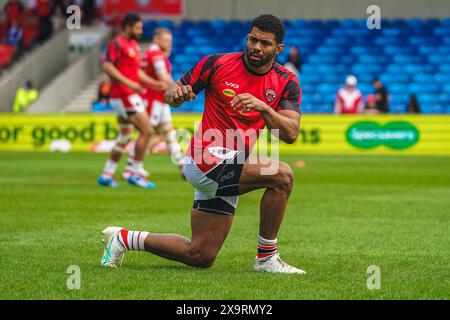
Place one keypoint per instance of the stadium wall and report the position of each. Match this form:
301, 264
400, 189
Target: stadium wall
314, 9
58, 93
40, 66
320, 134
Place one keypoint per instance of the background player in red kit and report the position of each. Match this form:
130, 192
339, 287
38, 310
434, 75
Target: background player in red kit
156, 64
123, 66
243, 91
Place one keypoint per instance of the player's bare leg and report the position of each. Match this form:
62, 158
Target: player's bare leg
140, 121
129, 169
272, 209
209, 232
124, 137
155, 140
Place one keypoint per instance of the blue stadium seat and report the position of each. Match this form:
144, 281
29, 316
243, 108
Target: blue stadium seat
397, 88
399, 98
366, 68
442, 78
442, 31
427, 98
424, 78
415, 22
445, 68
444, 99
309, 78
425, 88
397, 108
438, 58
395, 77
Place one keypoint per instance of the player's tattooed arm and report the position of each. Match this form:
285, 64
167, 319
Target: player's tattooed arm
114, 73
287, 122
177, 94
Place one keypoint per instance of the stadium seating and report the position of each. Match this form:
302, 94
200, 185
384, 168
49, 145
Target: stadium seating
409, 56
6, 55
29, 22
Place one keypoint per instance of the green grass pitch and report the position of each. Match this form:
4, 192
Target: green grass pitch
345, 214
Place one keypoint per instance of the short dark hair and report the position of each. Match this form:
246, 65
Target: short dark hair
270, 23
130, 20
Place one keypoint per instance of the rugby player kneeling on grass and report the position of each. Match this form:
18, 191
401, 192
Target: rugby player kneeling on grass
245, 92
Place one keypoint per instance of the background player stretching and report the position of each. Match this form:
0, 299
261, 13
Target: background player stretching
244, 91
123, 66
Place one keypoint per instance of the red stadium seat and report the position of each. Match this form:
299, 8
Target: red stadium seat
3, 27
6, 55
30, 27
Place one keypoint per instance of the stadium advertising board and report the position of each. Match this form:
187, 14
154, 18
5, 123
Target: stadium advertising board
160, 8
320, 134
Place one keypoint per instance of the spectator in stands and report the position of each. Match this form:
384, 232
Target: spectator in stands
45, 11
31, 5
25, 97
294, 63
371, 107
413, 105
381, 96
349, 99
62, 5
104, 93
13, 10
14, 35
89, 10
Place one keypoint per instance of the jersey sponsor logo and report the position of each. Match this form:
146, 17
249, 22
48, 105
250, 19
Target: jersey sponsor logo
270, 95
233, 85
131, 53
229, 92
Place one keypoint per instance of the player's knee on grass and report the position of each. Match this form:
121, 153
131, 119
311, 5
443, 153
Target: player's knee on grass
284, 179
201, 258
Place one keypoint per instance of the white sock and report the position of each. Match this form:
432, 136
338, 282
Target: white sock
110, 168
133, 240
138, 166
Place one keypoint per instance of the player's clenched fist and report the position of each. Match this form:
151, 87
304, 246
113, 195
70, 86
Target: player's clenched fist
178, 94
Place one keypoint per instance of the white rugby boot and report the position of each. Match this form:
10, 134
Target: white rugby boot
274, 264
114, 251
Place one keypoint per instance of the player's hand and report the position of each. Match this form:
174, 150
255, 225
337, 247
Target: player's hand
183, 94
247, 102
136, 87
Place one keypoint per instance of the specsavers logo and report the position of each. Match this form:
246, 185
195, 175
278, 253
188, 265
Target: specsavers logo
229, 92
395, 135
